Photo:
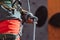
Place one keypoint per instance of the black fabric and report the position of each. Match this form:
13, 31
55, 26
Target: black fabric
3, 13
7, 37
55, 20
6, 15
1, 0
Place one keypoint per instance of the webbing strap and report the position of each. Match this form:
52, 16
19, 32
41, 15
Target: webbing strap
15, 2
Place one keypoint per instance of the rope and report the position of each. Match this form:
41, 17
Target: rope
29, 9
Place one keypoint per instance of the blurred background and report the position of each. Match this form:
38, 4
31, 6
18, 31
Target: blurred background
48, 13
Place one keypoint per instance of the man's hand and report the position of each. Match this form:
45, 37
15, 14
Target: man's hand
29, 20
29, 16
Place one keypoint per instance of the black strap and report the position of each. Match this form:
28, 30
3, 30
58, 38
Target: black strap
15, 2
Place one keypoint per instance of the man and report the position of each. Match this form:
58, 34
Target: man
10, 21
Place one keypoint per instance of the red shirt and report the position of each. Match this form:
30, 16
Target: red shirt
9, 26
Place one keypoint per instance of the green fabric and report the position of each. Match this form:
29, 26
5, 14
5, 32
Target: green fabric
8, 3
